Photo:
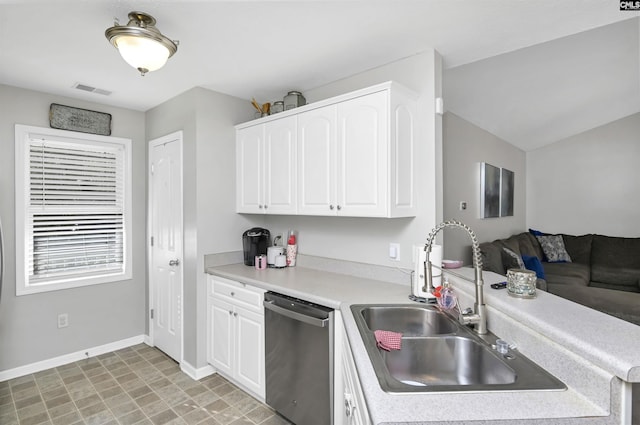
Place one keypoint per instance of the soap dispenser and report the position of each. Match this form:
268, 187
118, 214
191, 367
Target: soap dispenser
446, 299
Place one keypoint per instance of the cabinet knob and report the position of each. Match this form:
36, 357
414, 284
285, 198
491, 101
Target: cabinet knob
233, 294
259, 206
235, 314
230, 312
330, 207
339, 207
266, 206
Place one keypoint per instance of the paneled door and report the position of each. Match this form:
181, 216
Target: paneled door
165, 234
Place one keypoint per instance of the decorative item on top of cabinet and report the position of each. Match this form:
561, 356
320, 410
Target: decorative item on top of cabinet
294, 99
354, 157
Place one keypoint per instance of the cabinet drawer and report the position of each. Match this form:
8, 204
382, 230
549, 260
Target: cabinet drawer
238, 293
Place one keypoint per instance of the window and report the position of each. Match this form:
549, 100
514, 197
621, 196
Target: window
73, 208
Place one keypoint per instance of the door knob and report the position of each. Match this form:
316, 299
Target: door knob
174, 262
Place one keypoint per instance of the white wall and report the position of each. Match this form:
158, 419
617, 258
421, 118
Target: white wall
210, 222
587, 183
98, 314
366, 240
465, 146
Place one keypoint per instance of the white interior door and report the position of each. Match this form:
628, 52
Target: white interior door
165, 231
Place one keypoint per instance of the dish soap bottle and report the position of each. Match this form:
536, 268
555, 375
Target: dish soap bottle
446, 300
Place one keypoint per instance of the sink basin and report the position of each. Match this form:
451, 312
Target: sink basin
440, 355
451, 360
410, 321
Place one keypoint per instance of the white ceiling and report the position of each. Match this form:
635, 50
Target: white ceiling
264, 48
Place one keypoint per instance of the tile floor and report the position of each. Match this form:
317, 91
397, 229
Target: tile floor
136, 385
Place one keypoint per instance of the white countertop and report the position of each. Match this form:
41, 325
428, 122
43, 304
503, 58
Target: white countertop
582, 347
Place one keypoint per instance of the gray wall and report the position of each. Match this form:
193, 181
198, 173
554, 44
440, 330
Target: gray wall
465, 147
366, 240
210, 222
587, 183
98, 314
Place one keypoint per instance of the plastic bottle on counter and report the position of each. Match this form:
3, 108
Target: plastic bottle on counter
446, 299
292, 250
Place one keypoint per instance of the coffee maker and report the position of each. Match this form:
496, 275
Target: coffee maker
255, 242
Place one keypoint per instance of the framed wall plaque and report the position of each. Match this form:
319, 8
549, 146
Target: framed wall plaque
76, 119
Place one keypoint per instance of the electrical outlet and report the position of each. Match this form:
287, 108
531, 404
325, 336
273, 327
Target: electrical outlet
280, 239
63, 320
394, 251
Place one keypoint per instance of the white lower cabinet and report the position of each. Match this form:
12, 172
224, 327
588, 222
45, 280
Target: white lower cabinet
235, 333
354, 406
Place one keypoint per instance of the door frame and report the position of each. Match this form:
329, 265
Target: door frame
177, 135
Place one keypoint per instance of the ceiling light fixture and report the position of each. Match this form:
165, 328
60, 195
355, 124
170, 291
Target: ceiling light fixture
140, 43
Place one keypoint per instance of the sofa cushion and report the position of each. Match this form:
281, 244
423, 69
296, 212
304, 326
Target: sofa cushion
553, 248
615, 263
531, 262
578, 248
492, 257
567, 273
513, 243
623, 305
511, 260
531, 246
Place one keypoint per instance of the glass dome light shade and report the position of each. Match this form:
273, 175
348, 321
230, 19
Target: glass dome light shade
140, 43
142, 53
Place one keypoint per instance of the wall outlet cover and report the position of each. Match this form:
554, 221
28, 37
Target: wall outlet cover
63, 320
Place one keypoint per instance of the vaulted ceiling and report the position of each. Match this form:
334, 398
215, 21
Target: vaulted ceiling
544, 93
264, 48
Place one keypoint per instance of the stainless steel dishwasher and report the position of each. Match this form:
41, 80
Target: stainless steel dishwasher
299, 359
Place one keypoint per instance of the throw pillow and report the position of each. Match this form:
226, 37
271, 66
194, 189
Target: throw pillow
535, 232
553, 248
511, 260
531, 262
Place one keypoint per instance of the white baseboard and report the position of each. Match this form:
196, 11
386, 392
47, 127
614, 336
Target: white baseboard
196, 373
17, 372
148, 341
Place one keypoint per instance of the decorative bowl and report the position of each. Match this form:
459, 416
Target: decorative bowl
451, 264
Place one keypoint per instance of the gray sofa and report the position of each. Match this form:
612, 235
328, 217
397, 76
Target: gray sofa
603, 272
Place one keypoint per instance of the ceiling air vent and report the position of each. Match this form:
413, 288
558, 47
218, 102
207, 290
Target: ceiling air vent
90, 89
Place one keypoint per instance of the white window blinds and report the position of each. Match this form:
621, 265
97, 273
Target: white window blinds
75, 211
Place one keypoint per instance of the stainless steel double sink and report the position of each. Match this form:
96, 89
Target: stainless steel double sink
440, 355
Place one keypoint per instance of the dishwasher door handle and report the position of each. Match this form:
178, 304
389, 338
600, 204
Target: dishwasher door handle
321, 323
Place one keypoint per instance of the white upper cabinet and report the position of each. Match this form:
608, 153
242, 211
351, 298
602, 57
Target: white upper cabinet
355, 157
249, 169
266, 168
317, 138
363, 156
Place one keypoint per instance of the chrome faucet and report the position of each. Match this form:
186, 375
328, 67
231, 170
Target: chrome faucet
479, 317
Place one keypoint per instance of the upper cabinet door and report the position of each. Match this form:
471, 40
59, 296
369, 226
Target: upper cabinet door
280, 166
363, 155
317, 161
249, 170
